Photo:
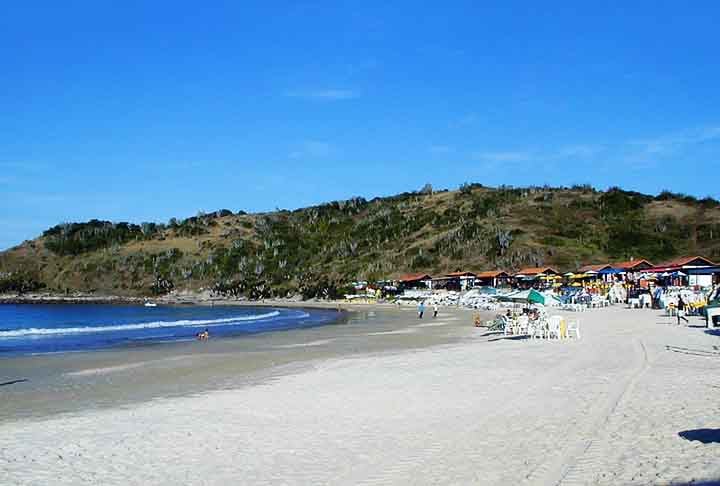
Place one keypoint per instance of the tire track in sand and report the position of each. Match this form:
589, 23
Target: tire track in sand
580, 458
412, 463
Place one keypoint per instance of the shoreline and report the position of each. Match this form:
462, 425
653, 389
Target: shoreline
186, 299
71, 382
386, 399
68, 299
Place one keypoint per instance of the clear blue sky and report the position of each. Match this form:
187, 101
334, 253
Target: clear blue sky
136, 110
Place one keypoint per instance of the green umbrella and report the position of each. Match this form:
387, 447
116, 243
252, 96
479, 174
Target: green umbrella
530, 295
536, 297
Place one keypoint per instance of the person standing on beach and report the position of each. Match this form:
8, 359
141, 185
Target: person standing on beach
421, 309
681, 310
435, 310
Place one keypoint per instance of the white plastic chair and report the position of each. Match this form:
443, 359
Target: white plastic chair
554, 327
573, 327
523, 324
509, 326
538, 329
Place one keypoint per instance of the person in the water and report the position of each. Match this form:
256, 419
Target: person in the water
203, 336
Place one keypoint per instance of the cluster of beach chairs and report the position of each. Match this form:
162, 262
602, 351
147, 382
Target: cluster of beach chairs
474, 299
593, 302
582, 301
537, 326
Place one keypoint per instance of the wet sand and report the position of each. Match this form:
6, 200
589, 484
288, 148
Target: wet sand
39, 386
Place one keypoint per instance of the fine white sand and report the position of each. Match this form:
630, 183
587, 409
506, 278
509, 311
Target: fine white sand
606, 409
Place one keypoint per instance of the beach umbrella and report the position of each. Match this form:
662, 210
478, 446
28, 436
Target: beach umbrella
536, 297
530, 295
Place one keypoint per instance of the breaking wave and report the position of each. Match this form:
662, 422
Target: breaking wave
142, 325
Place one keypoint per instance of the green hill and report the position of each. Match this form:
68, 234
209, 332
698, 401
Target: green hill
315, 250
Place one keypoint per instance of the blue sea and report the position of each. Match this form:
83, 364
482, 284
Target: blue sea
39, 329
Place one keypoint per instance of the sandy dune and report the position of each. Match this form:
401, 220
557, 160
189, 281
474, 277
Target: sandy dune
603, 410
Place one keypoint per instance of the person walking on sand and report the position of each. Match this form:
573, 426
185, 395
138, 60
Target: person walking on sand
435, 310
681, 310
421, 309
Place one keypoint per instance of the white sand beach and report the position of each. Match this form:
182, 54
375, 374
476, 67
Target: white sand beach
606, 409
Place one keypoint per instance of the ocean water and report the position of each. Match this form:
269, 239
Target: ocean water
39, 329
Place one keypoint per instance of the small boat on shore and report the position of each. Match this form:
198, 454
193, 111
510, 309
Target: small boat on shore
150, 304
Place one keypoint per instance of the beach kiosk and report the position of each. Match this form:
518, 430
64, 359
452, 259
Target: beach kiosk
536, 277
595, 268
415, 281
633, 266
493, 278
460, 281
697, 269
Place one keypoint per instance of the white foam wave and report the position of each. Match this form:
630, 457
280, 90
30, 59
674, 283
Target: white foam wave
142, 325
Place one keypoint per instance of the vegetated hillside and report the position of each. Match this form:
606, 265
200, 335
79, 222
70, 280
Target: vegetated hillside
315, 251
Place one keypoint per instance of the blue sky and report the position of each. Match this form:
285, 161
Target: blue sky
134, 111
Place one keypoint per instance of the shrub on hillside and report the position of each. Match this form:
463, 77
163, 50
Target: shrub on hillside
19, 282
77, 238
